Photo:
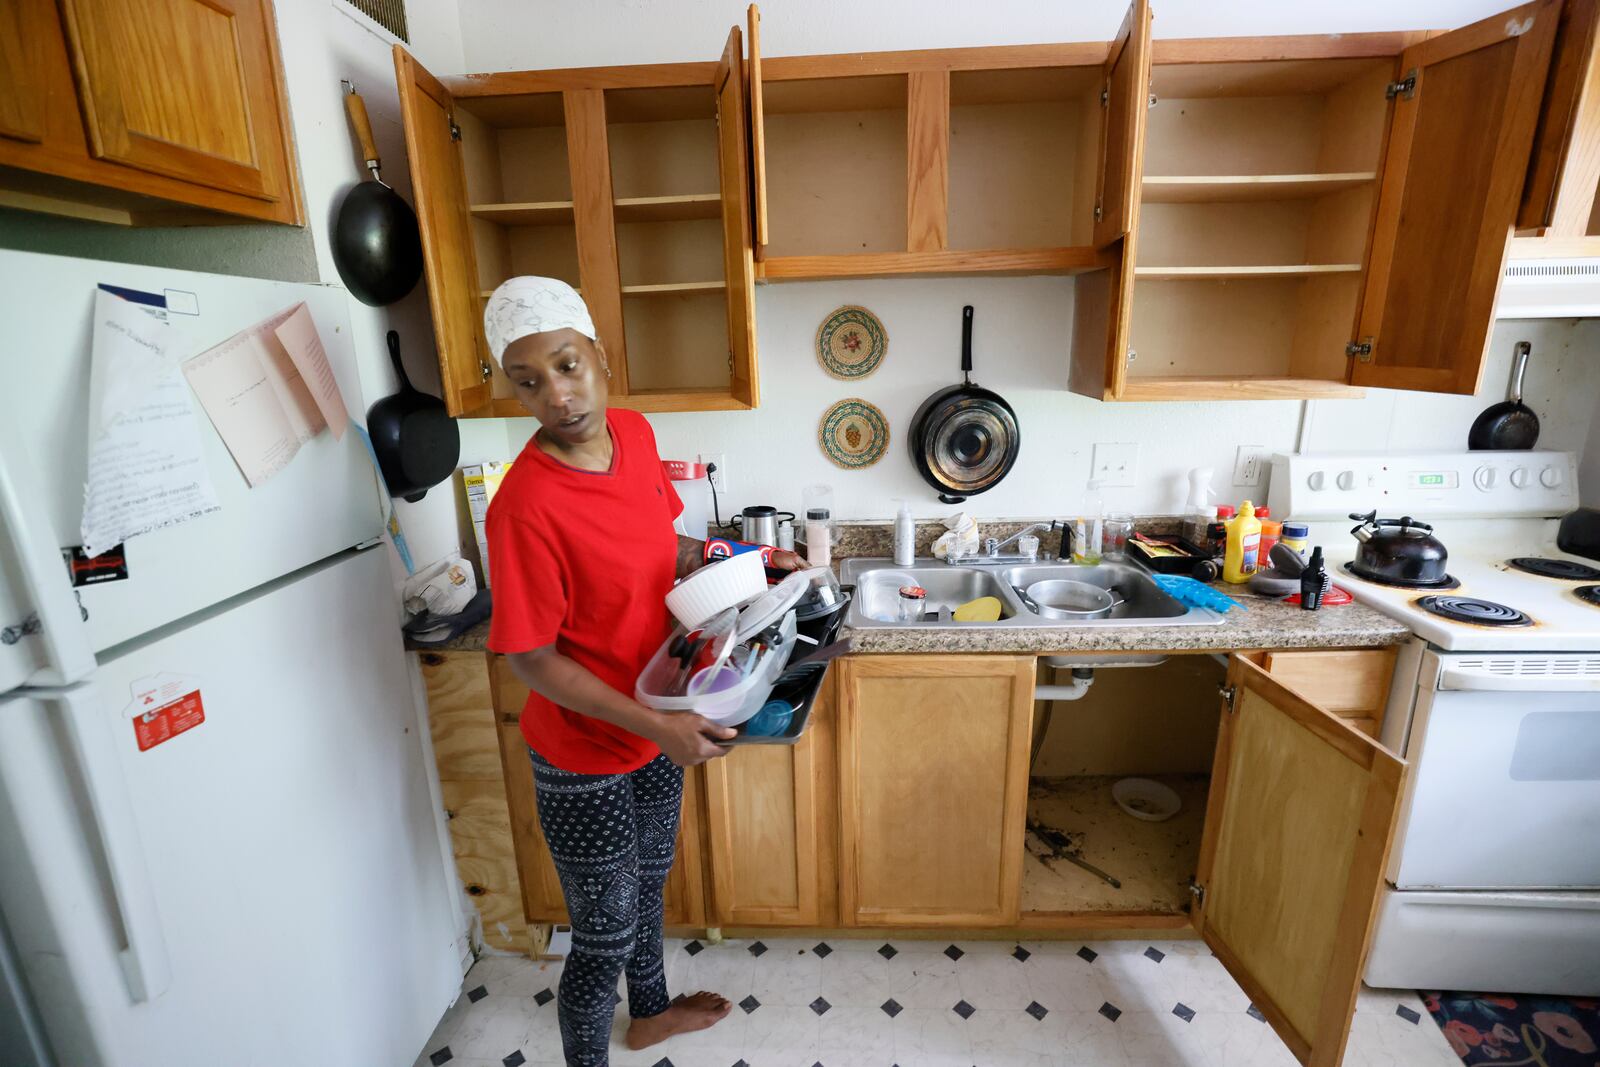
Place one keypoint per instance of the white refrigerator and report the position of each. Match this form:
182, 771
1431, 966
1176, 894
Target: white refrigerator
266, 886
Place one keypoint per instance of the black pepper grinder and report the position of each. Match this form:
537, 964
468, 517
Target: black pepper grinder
1314, 581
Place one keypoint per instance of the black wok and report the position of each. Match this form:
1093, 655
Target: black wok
376, 245
417, 442
964, 438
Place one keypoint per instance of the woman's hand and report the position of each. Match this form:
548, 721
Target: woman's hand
687, 739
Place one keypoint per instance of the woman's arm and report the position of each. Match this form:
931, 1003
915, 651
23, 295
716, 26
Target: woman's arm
683, 736
691, 555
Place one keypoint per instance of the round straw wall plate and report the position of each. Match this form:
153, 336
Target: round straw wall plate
854, 434
851, 342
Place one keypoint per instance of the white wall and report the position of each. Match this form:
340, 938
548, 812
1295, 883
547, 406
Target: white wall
1022, 323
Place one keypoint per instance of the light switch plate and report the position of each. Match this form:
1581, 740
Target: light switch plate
1248, 463
1115, 463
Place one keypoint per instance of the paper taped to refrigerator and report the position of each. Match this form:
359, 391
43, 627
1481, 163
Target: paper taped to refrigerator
267, 390
146, 465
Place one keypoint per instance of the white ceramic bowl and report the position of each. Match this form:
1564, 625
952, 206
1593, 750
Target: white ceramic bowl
1145, 799
717, 587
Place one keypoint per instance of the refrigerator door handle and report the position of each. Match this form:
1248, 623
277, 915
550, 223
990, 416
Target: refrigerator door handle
45, 584
146, 967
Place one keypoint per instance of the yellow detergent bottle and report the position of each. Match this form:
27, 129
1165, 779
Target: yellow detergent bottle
1243, 555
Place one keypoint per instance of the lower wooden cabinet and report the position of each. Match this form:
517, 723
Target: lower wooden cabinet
1352, 683
933, 784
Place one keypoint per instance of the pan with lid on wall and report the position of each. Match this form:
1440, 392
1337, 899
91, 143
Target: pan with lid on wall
964, 438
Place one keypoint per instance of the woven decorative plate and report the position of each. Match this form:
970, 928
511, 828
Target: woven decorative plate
853, 434
851, 343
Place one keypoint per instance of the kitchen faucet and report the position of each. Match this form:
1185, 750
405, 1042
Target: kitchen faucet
991, 554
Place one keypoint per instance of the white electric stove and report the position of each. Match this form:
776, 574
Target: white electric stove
1494, 878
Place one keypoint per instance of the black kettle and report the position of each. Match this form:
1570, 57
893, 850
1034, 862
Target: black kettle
1399, 551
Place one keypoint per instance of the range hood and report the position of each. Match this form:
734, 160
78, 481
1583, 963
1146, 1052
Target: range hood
1549, 289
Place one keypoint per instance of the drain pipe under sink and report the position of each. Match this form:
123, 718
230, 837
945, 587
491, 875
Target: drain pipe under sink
1082, 679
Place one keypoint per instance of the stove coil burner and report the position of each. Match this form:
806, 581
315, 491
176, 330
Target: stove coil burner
1469, 609
1556, 568
1589, 594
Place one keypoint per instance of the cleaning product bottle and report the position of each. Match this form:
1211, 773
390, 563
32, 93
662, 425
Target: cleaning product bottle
1314, 582
1197, 510
905, 537
1244, 545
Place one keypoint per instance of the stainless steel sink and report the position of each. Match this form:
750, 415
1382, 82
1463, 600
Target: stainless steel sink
878, 583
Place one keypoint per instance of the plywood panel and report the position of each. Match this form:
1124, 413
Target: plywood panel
682, 340
1013, 175
664, 158
480, 837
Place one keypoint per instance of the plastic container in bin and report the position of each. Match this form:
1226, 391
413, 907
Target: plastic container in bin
724, 705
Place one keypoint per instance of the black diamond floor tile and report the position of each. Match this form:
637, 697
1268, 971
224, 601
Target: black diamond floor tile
1183, 1011
758, 949
820, 1006
822, 950
1255, 1013
516, 1059
444, 1055
662, 1062
1407, 1014
963, 1009
750, 1004
694, 948
888, 952
954, 953
891, 1007
1110, 1011
741, 1063
1087, 954
1037, 1010
1153, 953
1021, 954
477, 994
543, 997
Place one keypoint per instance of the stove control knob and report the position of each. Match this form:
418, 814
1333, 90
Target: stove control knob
1520, 478
1485, 478
1550, 477
1318, 481
1347, 480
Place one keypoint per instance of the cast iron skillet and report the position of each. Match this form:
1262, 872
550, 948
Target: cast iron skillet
417, 443
1511, 424
964, 438
376, 245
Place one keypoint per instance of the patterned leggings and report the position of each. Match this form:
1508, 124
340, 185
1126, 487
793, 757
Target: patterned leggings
612, 837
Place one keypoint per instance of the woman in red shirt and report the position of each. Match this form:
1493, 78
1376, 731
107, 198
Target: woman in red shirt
582, 551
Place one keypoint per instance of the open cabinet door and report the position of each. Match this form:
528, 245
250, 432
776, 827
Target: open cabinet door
1298, 824
737, 255
1126, 99
439, 186
1464, 112
758, 138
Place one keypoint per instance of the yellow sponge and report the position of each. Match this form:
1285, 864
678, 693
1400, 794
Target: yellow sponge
984, 609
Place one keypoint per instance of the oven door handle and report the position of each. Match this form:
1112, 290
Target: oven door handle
1472, 678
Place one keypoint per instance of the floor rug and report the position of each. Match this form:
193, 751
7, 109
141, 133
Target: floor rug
1513, 1030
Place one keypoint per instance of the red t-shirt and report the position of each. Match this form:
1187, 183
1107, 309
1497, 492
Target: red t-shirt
585, 559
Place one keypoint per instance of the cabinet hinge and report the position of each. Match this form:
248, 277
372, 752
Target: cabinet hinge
1231, 695
1197, 891
1099, 211
1105, 96
455, 131
1132, 355
1405, 88
485, 372
10, 635
1154, 100
1361, 349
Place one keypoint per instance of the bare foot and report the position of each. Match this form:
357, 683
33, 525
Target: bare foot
694, 1012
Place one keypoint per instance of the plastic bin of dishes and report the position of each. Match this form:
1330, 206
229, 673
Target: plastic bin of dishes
679, 677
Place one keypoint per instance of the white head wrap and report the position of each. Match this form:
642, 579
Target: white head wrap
529, 305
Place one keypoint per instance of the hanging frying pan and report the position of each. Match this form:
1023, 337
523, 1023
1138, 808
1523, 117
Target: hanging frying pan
376, 245
417, 442
1510, 424
964, 438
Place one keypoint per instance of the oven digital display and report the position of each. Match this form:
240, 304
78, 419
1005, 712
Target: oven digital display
1433, 480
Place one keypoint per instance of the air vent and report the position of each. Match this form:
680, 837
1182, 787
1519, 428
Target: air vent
1576, 673
1532, 666
390, 14
1575, 268
1549, 289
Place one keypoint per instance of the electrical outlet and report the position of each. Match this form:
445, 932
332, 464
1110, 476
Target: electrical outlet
1115, 464
719, 477
1247, 464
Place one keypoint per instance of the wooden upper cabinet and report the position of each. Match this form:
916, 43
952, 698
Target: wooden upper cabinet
1127, 94
1300, 817
738, 264
1464, 115
439, 186
758, 138
937, 840
22, 75
185, 88
1564, 172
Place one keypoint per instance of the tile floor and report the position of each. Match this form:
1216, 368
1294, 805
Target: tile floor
932, 1004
